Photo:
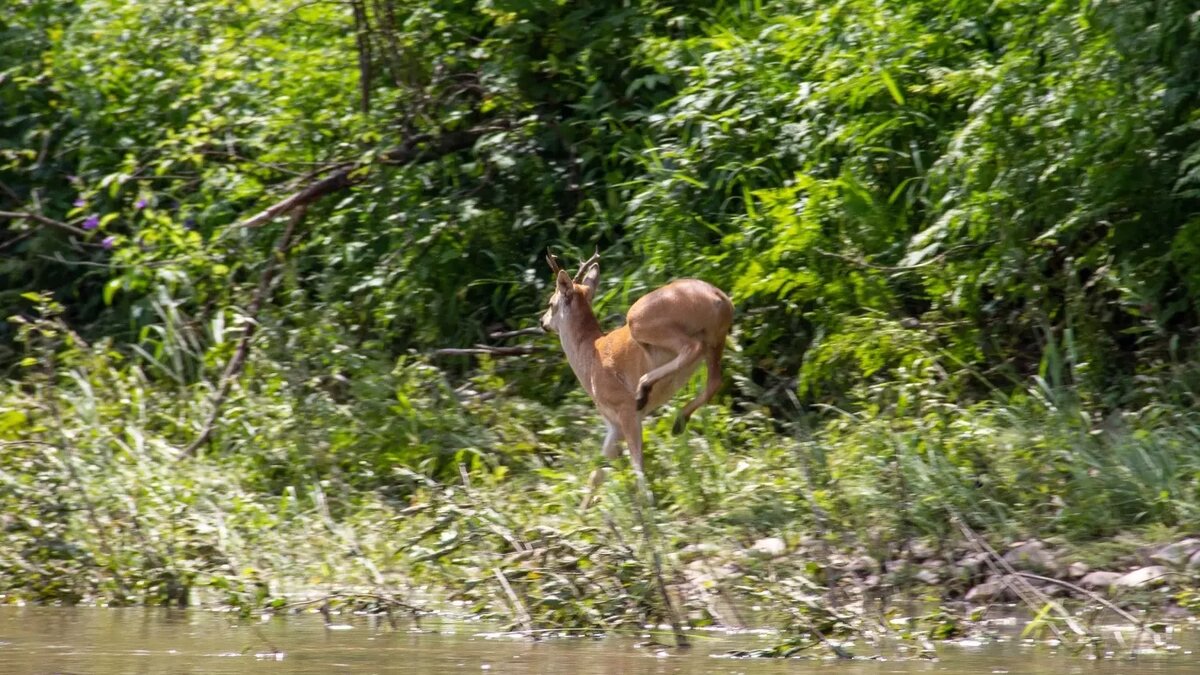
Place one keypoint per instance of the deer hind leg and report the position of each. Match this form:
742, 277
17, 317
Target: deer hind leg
688, 352
712, 383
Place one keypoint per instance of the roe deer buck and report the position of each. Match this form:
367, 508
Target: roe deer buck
639, 366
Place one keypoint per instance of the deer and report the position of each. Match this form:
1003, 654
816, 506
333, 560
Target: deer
635, 369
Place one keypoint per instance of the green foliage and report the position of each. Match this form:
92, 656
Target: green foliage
962, 238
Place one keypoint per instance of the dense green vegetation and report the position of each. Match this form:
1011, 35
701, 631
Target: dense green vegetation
963, 238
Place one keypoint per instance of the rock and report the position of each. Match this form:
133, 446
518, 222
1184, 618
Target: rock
988, 591
861, 563
698, 551
1078, 569
704, 575
1153, 575
1053, 590
921, 550
929, 577
1099, 580
1032, 556
770, 547
1176, 554
1194, 561
974, 563
858, 564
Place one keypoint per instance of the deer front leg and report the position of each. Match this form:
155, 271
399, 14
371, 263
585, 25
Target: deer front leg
612, 450
629, 423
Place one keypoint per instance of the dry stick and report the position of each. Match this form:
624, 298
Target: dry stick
520, 350
242, 351
650, 537
518, 607
505, 334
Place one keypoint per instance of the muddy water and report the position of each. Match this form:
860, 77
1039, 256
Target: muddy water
111, 641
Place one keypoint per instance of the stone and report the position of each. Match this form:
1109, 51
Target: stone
698, 551
1099, 580
1193, 562
1032, 556
1176, 554
988, 591
770, 547
921, 550
1077, 570
929, 577
1153, 575
974, 563
860, 564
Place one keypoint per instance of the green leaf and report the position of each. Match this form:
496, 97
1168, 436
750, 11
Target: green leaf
892, 88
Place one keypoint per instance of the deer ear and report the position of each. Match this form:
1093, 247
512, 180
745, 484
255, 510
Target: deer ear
591, 279
564, 283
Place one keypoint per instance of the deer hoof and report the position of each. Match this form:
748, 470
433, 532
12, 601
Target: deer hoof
643, 396
680, 425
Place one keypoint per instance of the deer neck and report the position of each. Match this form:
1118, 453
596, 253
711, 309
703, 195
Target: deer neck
578, 338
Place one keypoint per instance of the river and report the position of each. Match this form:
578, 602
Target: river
99, 641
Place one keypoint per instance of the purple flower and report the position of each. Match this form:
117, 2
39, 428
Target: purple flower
108, 242
140, 204
92, 222
80, 201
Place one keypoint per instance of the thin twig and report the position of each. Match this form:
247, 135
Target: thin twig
643, 496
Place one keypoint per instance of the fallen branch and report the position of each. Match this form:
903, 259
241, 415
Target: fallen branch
419, 148
43, 220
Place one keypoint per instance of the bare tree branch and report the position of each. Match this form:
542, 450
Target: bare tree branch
419, 148
43, 220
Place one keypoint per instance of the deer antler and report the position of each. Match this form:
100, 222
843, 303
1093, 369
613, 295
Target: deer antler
552, 260
585, 264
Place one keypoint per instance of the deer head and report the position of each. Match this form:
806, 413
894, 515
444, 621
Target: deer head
572, 296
